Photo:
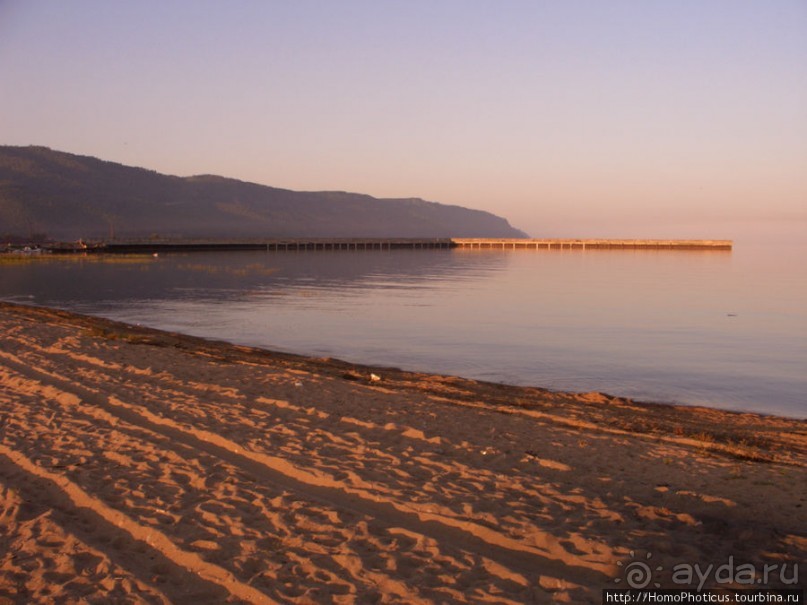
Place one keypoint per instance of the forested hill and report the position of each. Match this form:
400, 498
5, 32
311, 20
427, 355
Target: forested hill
66, 197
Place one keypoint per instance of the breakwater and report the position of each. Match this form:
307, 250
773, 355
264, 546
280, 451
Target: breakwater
294, 244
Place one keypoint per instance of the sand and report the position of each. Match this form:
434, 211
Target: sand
139, 466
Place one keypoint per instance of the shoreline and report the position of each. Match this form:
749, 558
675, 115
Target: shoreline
116, 329
193, 340
172, 468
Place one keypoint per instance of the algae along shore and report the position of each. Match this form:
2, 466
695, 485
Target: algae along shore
140, 466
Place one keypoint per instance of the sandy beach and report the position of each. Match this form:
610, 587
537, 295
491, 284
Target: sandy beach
140, 466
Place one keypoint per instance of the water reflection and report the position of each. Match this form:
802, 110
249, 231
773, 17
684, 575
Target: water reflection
70, 280
715, 328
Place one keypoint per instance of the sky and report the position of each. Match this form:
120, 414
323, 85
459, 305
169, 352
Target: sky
571, 118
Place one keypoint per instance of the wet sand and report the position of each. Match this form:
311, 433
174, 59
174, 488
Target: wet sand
140, 466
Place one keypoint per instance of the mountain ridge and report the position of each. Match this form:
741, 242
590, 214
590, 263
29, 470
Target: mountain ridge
58, 195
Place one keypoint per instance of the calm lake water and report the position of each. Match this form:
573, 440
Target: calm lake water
724, 329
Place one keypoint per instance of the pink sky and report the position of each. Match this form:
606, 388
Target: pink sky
573, 118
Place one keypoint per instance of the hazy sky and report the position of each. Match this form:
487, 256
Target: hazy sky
648, 118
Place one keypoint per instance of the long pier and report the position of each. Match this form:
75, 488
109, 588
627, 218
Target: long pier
296, 244
586, 244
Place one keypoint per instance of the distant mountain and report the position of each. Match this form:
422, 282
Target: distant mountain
66, 197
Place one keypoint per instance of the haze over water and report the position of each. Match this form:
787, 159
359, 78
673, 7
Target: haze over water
724, 329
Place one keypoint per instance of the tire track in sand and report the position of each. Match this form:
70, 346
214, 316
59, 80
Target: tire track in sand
366, 579
453, 532
63, 495
404, 479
